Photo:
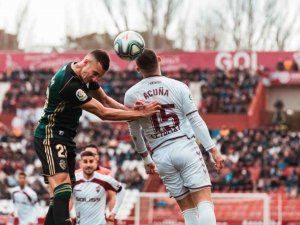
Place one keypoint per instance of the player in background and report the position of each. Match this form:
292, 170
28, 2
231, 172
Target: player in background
89, 193
111, 195
24, 200
72, 89
171, 136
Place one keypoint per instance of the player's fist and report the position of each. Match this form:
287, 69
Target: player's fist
139, 105
151, 108
111, 217
150, 168
217, 158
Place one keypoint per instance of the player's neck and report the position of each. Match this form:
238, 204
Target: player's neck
88, 176
77, 69
156, 73
22, 187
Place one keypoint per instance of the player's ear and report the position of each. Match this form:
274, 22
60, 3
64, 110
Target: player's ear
137, 69
85, 61
158, 59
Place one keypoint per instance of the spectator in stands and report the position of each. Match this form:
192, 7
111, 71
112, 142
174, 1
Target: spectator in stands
279, 119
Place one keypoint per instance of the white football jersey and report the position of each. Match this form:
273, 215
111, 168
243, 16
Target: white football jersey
176, 101
89, 197
24, 202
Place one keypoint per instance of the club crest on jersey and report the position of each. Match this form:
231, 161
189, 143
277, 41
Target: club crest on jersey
98, 189
62, 164
81, 95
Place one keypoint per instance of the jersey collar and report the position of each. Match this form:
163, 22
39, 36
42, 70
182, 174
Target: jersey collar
154, 75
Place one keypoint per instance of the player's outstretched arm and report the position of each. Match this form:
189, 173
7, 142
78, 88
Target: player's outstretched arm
95, 107
106, 100
109, 102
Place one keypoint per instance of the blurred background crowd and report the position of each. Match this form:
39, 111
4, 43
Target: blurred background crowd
264, 159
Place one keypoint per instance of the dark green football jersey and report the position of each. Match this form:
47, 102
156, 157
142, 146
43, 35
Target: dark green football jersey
65, 93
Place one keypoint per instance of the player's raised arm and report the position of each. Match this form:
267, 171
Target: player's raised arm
100, 95
107, 101
95, 107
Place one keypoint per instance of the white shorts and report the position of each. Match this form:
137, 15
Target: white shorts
182, 168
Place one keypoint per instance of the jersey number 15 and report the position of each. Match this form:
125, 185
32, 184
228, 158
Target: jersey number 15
163, 117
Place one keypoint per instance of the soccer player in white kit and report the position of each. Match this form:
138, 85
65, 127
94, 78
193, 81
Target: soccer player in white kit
24, 200
89, 193
171, 136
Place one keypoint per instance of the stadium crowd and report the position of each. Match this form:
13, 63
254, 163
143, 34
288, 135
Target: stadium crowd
262, 159
221, 91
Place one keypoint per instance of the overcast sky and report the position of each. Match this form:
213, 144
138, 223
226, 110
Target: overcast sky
48, 21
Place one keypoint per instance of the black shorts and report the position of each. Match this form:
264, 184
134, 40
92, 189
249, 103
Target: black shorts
56, 157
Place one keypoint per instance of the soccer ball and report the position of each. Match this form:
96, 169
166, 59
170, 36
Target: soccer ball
129, 45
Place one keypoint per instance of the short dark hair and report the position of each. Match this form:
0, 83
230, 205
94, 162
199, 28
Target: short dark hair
147, 61
102, 57
86, 153
91, 146
22, 174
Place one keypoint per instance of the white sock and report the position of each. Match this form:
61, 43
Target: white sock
191, 216
206, 213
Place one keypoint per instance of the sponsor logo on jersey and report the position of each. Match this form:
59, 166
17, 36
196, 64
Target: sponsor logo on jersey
78, 199
81, 95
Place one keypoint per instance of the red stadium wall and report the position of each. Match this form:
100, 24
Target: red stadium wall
216, 121
4, 220
171, 61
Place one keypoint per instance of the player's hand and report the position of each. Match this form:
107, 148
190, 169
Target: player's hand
151, 108
110, 222
218, 159
139, 105
150, 168
111, 217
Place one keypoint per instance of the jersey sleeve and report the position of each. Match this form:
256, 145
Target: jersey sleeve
188, 104
114, 185
93, 86
34, 197
74, 93
129, 100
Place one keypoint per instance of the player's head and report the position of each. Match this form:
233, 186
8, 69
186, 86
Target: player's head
22, 179
88, 162
94, 149
94, 65
148, 63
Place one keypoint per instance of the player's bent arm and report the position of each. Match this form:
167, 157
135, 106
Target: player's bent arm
201, 130
119, 199
111, 199
138, 140
95, 107
107, 101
